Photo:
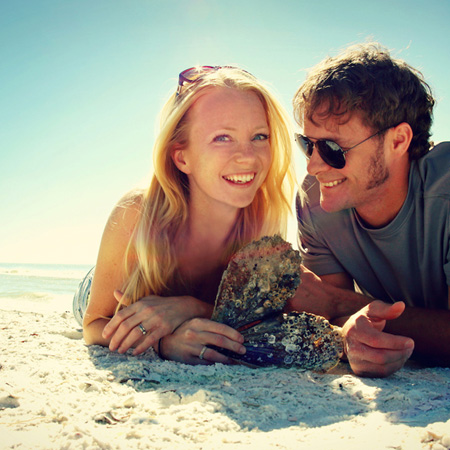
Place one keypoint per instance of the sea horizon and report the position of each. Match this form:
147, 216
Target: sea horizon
42, 287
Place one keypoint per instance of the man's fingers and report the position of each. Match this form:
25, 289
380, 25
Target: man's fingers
379, 310
383, 350
370, 369
374, 353
374, 338
368, 361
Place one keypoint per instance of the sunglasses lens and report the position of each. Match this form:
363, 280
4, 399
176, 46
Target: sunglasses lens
194, 73
331, 153
306, 146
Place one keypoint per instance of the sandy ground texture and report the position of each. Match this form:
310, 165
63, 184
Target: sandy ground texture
56, 393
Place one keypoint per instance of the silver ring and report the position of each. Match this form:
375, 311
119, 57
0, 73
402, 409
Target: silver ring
203, 352
143, 330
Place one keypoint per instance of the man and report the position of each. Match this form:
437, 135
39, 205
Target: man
375, 213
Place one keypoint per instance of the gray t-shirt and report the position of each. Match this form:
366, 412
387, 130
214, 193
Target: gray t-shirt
409, 259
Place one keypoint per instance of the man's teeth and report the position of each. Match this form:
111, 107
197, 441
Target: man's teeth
333, 183
240, 178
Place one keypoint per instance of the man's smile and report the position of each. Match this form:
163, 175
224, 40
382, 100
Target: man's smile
332, 183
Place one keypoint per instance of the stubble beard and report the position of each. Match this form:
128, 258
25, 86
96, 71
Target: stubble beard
377, 171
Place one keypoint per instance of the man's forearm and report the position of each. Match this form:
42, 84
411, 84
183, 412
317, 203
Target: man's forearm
329, 296
430, 330
332, 296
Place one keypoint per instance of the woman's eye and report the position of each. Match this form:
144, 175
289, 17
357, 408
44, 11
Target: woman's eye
222, 138
261, 137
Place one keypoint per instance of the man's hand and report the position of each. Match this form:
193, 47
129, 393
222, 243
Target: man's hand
370, 351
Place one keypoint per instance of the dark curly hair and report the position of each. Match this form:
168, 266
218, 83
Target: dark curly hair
365, 78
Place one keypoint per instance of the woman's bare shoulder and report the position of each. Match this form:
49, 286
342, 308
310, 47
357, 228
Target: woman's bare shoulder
124, 217
127, 211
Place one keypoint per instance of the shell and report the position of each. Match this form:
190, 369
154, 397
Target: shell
255, 287
303, 340
258, 281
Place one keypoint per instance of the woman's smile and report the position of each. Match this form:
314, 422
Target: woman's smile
240, 178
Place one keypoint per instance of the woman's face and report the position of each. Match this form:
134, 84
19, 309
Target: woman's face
228, 153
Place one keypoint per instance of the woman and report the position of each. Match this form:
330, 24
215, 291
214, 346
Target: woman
223, 177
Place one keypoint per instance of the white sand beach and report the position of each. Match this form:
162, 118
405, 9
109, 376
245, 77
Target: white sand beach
57, 393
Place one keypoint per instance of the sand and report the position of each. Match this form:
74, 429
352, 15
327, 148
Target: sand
57, 393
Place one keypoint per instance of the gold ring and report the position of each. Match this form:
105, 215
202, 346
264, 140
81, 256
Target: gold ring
143, 330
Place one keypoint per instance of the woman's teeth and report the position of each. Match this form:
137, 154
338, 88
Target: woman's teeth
240, 179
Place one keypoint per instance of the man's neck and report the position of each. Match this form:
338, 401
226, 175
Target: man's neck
388, 203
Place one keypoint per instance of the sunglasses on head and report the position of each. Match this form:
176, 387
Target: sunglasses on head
195, 74
331, 153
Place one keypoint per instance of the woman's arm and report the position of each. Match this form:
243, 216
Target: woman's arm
159, 316
109, 271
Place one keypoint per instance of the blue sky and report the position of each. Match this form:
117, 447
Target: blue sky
82, 83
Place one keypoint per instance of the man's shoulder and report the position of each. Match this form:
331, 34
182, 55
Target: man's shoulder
433, 169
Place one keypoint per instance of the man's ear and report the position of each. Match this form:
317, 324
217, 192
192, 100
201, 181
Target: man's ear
402, 137
178, 158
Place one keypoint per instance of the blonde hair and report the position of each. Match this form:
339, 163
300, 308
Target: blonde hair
164, 209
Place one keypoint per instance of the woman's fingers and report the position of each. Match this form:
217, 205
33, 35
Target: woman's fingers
211, 356
150, 340
137, 324
189, 341
112, 326
140, 327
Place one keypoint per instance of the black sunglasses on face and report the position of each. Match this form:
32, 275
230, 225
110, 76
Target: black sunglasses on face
329, 151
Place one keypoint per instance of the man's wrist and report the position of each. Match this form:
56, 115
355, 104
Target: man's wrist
346, 302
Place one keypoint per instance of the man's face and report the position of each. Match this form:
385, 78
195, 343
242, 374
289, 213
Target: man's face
364, 180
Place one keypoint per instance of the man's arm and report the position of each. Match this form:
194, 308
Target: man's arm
430, 330
331, 296
379, 337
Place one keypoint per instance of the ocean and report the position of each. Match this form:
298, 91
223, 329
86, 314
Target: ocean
39, 287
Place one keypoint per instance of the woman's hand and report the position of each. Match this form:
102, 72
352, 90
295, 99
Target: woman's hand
190, 342
145, 322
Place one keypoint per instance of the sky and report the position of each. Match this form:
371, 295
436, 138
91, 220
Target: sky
82, 83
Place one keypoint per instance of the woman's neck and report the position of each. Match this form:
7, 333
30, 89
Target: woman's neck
201, 249
210, 229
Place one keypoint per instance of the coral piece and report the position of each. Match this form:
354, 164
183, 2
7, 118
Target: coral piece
259, 279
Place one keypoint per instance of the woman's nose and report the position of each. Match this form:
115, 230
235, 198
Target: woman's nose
245, 152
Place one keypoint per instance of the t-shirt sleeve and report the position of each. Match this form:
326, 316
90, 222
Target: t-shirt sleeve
316, 254
447, 259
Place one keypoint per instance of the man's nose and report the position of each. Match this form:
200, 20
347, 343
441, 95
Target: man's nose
315, 163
